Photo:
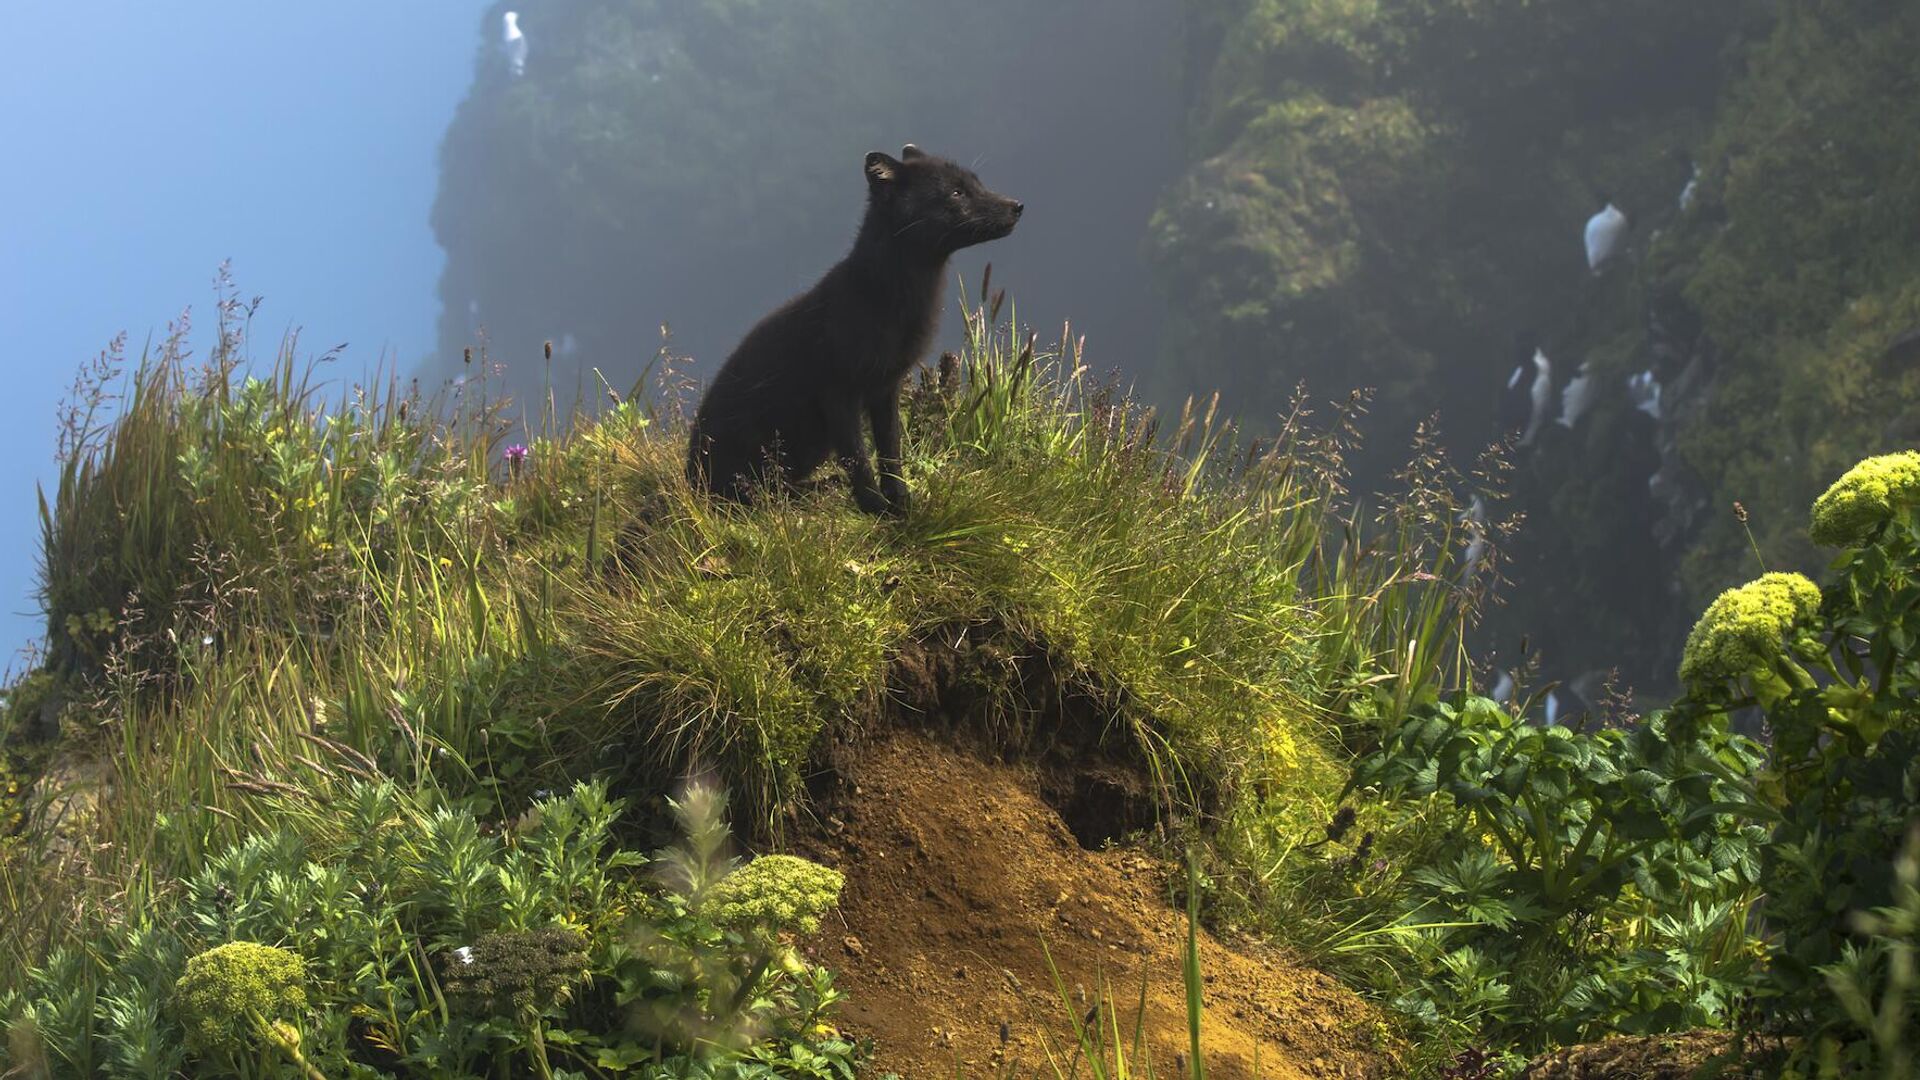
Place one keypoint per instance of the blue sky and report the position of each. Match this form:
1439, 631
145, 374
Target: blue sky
145, 143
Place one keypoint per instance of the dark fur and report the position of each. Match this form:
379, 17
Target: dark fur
794, 392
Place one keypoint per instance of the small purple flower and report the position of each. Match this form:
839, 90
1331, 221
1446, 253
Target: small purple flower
516, 456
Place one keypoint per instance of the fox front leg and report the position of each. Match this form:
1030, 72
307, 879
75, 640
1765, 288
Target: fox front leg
884, 412
843, 427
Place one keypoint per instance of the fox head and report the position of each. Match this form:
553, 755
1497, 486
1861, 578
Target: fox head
929, 203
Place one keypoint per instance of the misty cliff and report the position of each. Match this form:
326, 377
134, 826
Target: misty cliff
1384, 194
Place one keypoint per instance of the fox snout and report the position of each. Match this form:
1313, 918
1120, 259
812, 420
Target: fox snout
1006, 213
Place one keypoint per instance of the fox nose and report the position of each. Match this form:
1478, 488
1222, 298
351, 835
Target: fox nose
1019, 208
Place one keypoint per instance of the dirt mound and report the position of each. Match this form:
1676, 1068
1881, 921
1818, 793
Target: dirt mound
958, 869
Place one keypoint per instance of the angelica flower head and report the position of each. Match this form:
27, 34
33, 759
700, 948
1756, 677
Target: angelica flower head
232, 991
776, 892
519, 972
1869, 494
1743, 631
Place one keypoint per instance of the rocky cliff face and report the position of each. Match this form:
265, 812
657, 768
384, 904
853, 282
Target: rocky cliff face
1386, 192
1803, 269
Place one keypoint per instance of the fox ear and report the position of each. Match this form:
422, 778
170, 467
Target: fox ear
881, 169
910, 151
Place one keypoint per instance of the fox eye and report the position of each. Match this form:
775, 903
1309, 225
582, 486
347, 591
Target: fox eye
958, 194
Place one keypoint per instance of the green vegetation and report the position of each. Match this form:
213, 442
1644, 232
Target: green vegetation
417, 943
316, 782
1842, 785
1586, 886
1613, 879
348, 649
1799, 273
1874, 981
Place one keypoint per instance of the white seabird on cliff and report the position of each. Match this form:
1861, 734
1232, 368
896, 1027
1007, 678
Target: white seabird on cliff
1577, 398
515, 42
1644, 391
1540, 393
1605, 230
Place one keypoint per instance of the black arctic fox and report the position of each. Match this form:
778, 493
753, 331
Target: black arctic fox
794, 391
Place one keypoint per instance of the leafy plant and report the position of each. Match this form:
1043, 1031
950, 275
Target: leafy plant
1592, 881
418, 942
1875, 982
709, 973
1834, 673
521, 976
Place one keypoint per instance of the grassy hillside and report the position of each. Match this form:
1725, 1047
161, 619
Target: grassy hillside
384, 735
288, 617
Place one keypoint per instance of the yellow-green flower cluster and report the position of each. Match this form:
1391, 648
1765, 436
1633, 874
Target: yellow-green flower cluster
1743, 630
229, 992
1867, 495
778, 892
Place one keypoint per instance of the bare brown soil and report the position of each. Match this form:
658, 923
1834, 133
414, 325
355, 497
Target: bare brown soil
962, 881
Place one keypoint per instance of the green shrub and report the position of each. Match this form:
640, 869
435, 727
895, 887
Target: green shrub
1875, 981
1588, 881
1605, 880
713, 971
1837, 688
416, 942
